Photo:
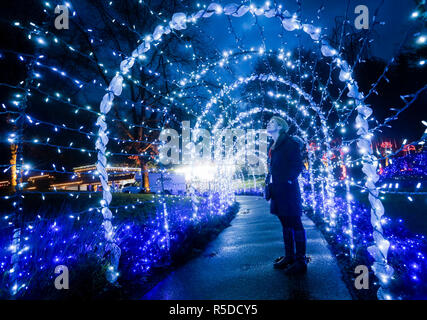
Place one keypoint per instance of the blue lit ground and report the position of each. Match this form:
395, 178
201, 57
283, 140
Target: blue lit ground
238, 264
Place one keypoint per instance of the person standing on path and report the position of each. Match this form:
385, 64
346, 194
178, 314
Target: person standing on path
285, 165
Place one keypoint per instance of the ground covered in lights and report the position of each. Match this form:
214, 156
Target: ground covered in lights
407, 250
53, 237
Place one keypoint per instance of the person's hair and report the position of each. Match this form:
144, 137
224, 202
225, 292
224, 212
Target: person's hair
281, 123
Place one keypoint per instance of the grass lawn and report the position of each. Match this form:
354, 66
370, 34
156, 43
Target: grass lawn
123, 205
413, 213
249, 183
397, 206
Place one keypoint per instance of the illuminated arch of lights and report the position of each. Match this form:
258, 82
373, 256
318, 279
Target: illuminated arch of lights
179, 22
310, 123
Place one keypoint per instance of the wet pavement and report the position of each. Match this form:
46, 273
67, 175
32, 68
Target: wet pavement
238, 264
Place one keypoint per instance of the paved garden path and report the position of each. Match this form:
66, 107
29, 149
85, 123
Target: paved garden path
238, 264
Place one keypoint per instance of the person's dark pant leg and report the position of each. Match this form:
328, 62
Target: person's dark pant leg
300, 264
299, 236
288, 237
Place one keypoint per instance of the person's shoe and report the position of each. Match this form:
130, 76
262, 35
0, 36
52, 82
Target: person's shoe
298, 267
278, 259
283, 263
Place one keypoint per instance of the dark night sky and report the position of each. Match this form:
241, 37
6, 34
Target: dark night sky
395, 14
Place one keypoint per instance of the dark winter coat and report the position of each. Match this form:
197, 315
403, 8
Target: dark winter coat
285, 165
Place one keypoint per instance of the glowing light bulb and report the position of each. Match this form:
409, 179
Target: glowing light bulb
415, 14
421, 39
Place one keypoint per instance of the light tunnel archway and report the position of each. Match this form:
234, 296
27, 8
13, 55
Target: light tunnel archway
290, 23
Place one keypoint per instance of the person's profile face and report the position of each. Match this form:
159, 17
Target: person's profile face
272, 127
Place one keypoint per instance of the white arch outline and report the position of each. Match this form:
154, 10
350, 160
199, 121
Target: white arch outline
290, 23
